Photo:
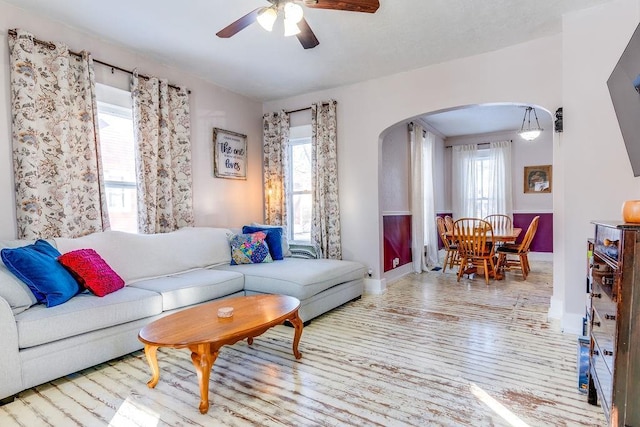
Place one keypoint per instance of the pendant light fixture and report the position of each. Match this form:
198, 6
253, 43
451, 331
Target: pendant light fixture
527, 132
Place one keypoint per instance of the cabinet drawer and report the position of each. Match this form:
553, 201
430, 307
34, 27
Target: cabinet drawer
603, 347
603, 325
603, 299
602, 378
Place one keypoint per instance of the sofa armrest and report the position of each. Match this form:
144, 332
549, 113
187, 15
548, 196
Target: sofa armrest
10, 366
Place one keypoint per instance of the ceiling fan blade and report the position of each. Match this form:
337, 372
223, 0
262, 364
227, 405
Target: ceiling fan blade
240, 24
307, 39
368, 6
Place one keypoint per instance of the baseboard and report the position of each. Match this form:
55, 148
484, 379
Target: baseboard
396, 273
375, 286
572, 323
555, 308
540, 256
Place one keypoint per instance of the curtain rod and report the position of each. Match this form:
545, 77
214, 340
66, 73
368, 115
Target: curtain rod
51, 45
481, 143
303, 109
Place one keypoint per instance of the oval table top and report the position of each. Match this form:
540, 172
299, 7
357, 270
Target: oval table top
201, 324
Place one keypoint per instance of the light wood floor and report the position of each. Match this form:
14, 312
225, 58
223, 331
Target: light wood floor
428, 352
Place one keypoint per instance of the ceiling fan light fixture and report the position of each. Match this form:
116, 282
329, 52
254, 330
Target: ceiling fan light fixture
290, 28
267, 18
527, 132
293, 12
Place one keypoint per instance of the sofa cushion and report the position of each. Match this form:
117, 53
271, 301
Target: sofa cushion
12, 289
143, 256
184, 289
83, 313
249, 248
38, 267
91, 271
300, 278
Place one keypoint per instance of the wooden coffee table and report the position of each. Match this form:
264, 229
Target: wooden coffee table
201, 330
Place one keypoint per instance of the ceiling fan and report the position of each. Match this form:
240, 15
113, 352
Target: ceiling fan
294, 22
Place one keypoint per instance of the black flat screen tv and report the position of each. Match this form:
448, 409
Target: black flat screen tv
624, 85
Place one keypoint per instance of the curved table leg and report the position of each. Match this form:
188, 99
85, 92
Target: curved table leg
297, 324
250, 340
150, 352
203, 357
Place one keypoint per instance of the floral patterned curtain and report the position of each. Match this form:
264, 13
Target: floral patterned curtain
276, 160
325, 226
163, 160
56, 150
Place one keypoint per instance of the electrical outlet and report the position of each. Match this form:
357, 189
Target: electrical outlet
396, 262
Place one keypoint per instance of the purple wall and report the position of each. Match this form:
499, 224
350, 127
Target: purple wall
543, 240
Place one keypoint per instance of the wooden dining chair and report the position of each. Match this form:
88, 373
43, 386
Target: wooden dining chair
448, 223
451, 249
475, 248
499, 222
512, 255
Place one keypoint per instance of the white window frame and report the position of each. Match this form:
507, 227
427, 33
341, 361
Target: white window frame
298, 135
116, 102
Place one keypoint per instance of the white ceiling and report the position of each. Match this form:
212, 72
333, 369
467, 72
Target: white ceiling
402, 35
481, 119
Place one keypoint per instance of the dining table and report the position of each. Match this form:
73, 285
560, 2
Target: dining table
499, 236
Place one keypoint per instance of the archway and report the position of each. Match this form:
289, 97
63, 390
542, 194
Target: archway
468, 124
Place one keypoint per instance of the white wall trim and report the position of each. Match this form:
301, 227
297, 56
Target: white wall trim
540, 256
399, 272
555, 308
533, 211
375, 286
394, 213
572, 323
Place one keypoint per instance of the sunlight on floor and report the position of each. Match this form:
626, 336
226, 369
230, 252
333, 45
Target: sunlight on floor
134, 414
497, 407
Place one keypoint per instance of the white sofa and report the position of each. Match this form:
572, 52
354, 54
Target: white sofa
163, 273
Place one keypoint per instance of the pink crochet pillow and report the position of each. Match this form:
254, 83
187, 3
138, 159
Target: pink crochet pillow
91, 271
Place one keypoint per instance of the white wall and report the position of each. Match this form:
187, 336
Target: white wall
395, 182
217, 202
368, 108
596, 171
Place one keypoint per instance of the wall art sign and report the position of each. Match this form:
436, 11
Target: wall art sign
229, 154
537, 179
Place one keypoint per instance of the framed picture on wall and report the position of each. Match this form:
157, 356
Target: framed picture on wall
229, 154
537, 179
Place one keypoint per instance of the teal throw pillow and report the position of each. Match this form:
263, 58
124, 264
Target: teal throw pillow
37, 266
249, 248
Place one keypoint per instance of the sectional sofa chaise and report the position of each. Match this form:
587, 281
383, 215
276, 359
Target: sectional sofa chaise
163, 273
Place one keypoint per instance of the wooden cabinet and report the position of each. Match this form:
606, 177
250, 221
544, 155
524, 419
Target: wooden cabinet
614, 322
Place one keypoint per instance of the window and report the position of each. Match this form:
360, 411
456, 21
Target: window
299, 196
483, 166
115, 120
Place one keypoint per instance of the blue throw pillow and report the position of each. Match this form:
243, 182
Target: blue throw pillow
38, 267
274, 239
